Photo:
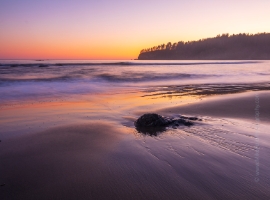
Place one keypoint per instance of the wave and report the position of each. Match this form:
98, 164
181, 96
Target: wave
144, 77
107, 77
57, 78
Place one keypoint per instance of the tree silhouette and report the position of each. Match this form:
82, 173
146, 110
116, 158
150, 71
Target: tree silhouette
224, 46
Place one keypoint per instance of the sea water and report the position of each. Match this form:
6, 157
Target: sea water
30, 79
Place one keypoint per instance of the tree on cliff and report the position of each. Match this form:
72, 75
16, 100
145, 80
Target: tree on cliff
225, 46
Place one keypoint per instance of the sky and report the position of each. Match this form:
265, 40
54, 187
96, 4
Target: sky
118, 29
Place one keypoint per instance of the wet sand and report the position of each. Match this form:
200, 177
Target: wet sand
240, 106
214, 159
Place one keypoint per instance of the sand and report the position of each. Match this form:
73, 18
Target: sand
240, 106
216, 158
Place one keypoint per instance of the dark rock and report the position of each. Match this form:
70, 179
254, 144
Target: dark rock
151, 131
42, 65
151, 120
193, 118
188, 123
152, 124
183, 117
190, 118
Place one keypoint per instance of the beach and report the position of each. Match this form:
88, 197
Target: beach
76, 139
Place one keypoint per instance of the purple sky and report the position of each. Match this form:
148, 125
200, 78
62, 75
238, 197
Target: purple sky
119, 29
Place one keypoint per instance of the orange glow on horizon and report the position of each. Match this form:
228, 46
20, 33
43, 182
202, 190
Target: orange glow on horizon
116, 30
66, 51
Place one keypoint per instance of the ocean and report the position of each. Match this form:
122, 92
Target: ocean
30, 79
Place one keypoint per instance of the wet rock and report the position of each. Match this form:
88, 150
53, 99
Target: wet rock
193, 118
189, 118
152, 124
151, 131
151, 120
188, 123
42, 65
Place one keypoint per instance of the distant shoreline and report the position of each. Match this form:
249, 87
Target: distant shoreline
222, 47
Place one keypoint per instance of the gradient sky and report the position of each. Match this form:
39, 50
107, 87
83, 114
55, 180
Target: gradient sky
118, 29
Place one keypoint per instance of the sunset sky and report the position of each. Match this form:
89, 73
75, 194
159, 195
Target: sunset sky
118, 29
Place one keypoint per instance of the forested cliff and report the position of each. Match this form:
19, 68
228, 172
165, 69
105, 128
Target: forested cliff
222, 47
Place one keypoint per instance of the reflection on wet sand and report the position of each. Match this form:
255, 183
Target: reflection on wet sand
90, 149
204, 89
